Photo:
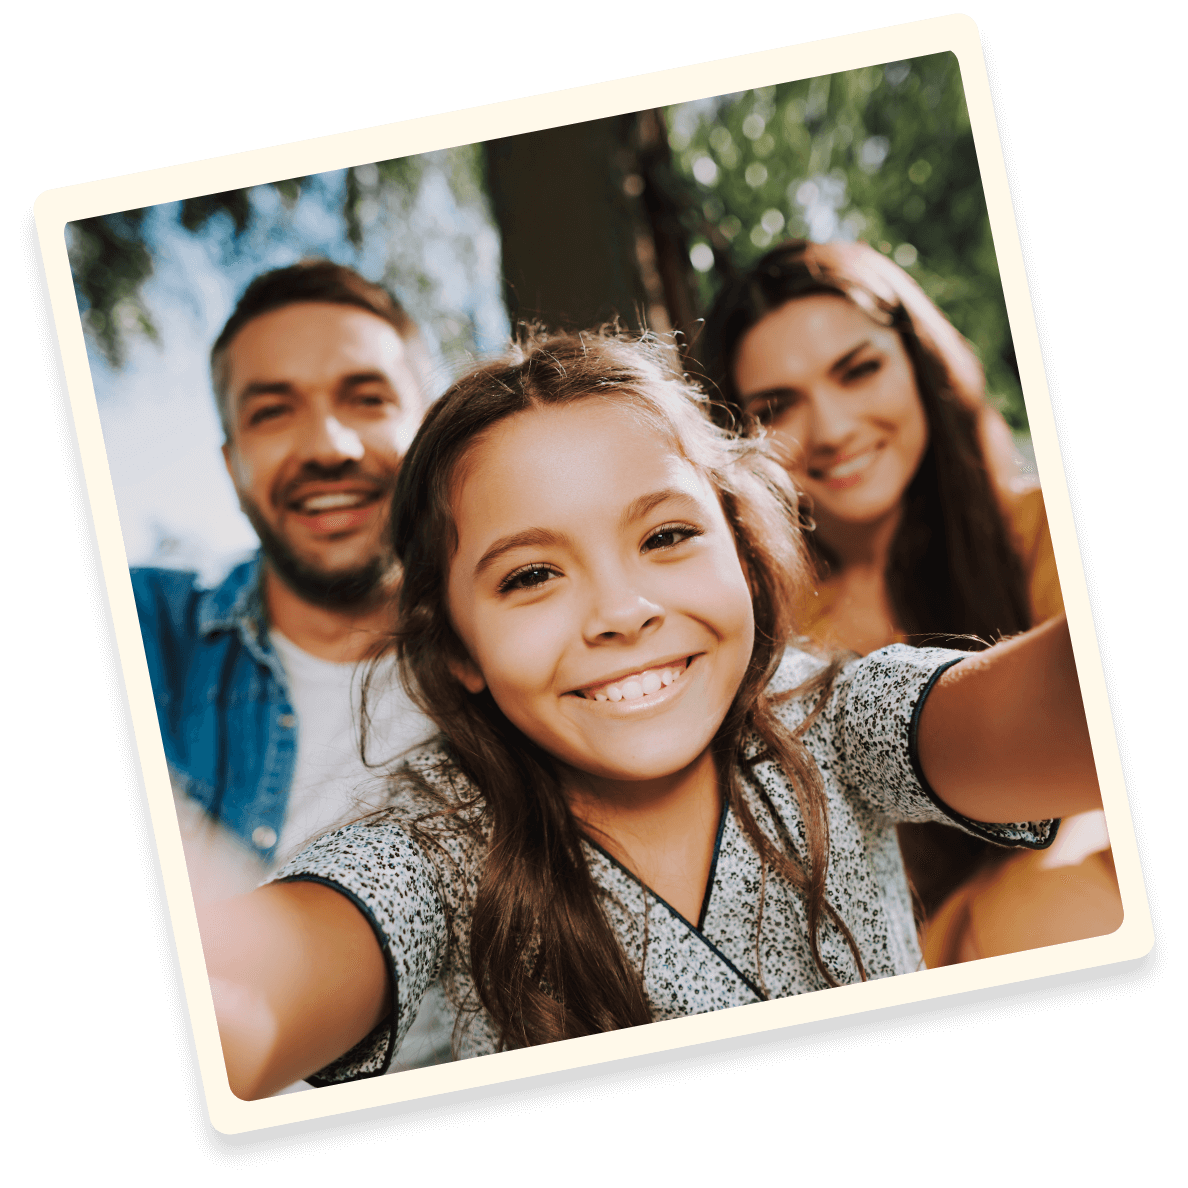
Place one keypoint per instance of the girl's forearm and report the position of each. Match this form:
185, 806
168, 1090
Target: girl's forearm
297, 979
1003, 737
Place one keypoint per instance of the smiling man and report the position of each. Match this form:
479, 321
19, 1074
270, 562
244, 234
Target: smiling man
318, 378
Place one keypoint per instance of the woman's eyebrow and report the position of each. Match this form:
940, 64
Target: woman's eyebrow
528, 539
848, 357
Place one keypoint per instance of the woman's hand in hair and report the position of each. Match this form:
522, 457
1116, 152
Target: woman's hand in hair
297, 977
1003, 737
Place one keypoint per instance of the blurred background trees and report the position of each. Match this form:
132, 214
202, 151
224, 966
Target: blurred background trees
637, 216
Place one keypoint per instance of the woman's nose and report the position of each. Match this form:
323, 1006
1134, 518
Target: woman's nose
831, 422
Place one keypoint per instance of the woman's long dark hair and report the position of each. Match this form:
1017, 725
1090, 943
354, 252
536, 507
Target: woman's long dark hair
546, 963
953, 575
953, 570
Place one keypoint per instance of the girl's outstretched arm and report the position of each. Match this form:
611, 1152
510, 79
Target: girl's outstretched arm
298, 979
1002, 736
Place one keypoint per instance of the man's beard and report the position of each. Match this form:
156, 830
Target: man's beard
340, 589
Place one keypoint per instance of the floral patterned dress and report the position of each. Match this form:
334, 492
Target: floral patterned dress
418, 898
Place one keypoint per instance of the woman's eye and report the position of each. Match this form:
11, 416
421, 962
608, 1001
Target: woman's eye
667, 538
526, 579
862, 370
772, 409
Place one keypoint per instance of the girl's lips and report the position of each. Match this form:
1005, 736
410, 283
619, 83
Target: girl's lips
637, 691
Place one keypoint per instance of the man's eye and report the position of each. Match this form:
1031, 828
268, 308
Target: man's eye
527, 578
267, 412
668, 538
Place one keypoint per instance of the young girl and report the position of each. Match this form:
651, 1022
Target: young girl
641, 806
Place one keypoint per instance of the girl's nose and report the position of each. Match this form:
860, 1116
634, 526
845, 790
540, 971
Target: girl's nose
619, 612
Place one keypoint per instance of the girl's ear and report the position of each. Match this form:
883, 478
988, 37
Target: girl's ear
466, 673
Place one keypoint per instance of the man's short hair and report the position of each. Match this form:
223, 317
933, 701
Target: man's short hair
310, 281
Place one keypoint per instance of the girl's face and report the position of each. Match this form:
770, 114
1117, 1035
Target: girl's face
839, 391
598, 590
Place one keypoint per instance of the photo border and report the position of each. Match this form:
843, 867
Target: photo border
55, 208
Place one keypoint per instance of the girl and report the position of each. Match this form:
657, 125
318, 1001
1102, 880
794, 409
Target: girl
923, 527
640, 805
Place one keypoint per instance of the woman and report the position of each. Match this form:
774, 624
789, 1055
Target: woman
924, 528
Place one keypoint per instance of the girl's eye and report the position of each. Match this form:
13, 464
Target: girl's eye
668, 538
528, 578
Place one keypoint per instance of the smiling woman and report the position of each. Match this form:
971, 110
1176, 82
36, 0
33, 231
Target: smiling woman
924, 529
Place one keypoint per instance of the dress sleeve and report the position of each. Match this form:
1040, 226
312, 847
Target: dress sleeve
387, 876
874, 714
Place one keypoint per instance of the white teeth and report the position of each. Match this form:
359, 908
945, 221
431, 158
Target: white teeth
332, 500
638, 685
852, 466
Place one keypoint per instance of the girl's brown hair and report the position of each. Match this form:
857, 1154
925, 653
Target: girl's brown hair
953, 569
545, 959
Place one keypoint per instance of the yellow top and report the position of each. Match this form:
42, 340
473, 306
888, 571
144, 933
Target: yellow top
1028, 523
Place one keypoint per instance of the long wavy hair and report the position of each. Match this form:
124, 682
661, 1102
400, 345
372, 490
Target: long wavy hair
546, 963
953, 575
953, 569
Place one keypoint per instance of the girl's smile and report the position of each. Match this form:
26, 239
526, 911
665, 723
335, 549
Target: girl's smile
598, 591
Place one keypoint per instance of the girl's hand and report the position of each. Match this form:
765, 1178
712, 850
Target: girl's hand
1002, 736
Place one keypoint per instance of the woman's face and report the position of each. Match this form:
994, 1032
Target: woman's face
838, 390
598, 590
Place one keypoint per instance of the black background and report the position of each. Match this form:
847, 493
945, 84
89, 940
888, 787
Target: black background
112, 1023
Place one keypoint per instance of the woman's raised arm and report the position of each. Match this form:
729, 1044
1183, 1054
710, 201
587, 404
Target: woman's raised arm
1002, 736
298, 979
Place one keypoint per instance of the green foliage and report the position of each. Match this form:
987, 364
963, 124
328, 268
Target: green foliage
884, 154
110, 262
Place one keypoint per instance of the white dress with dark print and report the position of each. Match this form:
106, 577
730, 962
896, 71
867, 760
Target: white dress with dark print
418, 897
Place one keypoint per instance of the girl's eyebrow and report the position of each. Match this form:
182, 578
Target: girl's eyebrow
641, 506
539, 538
529, 538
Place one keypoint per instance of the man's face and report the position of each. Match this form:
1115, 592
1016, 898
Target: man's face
322, 403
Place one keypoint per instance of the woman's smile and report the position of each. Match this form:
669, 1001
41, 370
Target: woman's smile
839, 391
598, 591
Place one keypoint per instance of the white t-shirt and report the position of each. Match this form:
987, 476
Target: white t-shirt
331, 783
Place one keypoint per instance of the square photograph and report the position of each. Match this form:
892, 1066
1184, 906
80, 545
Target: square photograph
596, 577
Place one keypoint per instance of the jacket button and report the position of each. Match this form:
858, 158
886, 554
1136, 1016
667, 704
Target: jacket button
287, 721
263, 837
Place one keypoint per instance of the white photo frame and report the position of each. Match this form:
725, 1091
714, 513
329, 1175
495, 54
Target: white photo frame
56, 208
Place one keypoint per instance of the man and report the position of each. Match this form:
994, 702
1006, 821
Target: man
318, 378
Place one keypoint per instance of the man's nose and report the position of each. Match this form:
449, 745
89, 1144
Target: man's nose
330, 442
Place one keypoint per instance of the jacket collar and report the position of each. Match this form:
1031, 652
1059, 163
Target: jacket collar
236, 603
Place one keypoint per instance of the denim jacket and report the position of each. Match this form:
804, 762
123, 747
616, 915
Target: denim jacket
222, 699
